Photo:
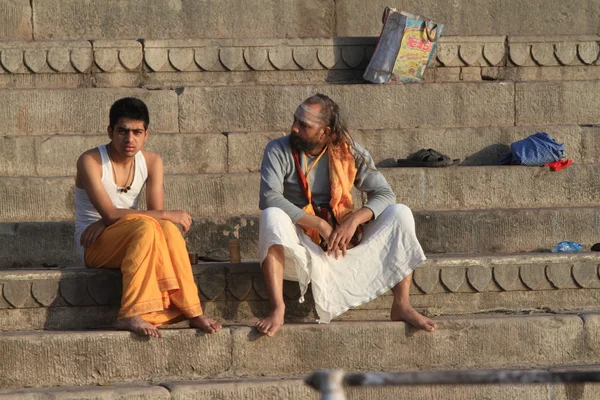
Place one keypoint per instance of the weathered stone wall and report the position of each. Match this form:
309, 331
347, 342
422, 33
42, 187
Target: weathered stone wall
15, 20
187, 19
480, 17
182, 19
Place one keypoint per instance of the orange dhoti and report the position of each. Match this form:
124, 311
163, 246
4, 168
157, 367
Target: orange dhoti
158, 283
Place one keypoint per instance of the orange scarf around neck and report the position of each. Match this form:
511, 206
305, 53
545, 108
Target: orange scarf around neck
342, 173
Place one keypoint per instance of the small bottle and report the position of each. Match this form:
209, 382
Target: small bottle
234, 251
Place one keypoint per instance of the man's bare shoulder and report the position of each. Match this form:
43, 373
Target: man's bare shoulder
154, 163
151, 157
89, 164
89, 157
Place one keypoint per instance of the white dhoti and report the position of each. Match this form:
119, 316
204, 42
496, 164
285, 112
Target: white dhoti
388, 253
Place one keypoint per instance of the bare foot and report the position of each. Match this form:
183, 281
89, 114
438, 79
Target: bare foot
271, 323
205, 324
137, 325
406, 313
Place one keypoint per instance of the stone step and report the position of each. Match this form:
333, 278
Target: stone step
54, 19
270, 108
251, 389
202, 153
79, 298
29, 199
102, 357
32, 244
212, 195
111, 392
395, 106
214, 62
296, 389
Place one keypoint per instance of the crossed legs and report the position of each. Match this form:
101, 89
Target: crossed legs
158, 284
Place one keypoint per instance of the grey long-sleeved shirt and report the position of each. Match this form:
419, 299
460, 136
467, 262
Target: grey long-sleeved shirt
279, 185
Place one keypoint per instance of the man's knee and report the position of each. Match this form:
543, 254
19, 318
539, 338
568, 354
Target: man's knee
275, 255
399, 212
170, 231
275, 250
168, 227
272, 214
144, 227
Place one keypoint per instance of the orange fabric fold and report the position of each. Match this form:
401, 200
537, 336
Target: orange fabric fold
342, 174
158, 283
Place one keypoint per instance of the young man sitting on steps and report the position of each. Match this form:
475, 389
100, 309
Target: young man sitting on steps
110, 232
306, 179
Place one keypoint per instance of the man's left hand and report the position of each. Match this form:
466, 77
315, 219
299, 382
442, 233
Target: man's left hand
341, 236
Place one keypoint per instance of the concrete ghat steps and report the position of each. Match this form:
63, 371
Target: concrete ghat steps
76, 298
296, 389
205, 153
269, 108
65, 19
27, 199
102, 357
32, 244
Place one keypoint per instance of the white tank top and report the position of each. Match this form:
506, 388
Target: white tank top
86, 214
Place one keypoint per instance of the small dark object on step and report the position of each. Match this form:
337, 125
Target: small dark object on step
427, 158
596, 247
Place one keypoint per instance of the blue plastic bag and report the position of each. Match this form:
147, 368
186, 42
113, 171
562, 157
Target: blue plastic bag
536, 150
567, 247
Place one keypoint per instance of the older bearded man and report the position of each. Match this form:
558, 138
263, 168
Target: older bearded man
309, 221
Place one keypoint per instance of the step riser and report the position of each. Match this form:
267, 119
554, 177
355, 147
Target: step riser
359, 18
242, 152
218, 196
270, 108
53, 19
476, 231
247, 312
237, 351
405, 106
297, 390
89, 393
84, 299
27, 112
391, 106
256, 19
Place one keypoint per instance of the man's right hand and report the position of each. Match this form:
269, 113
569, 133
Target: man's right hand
180, 217
92, 233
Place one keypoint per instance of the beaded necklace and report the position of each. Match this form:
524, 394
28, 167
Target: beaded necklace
121, 189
